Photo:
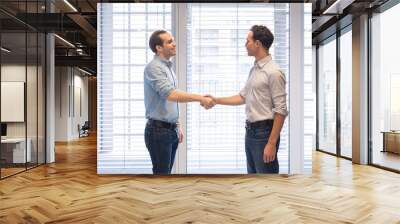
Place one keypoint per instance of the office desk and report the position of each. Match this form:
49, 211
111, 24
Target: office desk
391, 141
15, 148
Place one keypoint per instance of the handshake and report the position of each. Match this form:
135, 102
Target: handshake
208, 101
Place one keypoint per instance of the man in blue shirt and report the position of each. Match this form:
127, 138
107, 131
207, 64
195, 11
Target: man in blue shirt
161, 97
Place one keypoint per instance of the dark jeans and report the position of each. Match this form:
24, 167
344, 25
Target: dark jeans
162, 144
256, 140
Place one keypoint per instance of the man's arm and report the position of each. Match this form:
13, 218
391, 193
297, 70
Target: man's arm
234, 100
270, 148
183, 97
279, 119
230, 100
156, 77
277, 83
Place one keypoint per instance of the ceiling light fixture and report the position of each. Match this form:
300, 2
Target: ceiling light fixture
337, 7
86, 72
70, 5
64, 40
5, 49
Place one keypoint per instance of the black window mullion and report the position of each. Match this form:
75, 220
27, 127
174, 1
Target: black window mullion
26, 86
317, 97
0, 93
338, 98
37, 90
369, 79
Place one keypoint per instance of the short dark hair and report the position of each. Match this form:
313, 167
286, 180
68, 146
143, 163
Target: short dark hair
156, 40
263, 34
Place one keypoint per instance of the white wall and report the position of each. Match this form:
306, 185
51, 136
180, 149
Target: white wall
71, 94
79, 117
16, 73
61, 103
12, 73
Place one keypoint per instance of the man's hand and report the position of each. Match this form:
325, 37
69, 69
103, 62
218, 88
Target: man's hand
212, 97
207, 102
180, 135
269, 153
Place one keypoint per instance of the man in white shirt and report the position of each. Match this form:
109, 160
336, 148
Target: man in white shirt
265, 97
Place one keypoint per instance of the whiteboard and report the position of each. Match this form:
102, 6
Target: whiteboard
12, 101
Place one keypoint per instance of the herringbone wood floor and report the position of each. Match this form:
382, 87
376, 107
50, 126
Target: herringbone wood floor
70, 191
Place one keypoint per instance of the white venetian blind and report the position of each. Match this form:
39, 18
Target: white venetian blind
123, 34
309, 92
218, 64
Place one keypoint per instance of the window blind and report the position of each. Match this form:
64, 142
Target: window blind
309, 92
124, 30
218, 64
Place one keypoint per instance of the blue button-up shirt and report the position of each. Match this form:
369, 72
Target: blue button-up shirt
159, 82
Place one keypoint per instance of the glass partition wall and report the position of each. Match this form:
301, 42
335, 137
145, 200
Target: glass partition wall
334, 99
22, 100
13, 85
345, 63
327, 96
385, 89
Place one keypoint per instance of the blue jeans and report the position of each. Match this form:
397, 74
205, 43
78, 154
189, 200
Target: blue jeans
162, 144
256, 140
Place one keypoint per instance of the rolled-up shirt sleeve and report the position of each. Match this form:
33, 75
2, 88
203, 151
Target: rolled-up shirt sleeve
157, 78
277, 83
243, 92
